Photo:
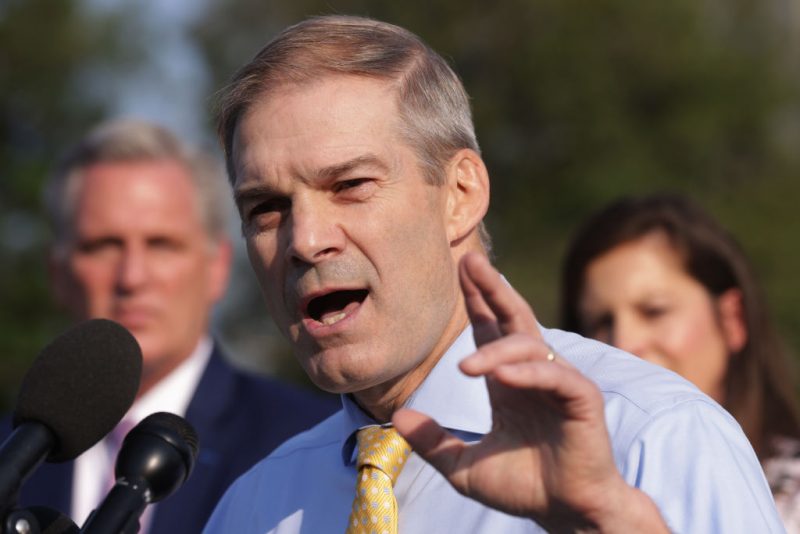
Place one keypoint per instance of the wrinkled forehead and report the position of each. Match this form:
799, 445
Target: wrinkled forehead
323, 94
315, 121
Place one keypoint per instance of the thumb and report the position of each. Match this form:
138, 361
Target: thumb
433, 443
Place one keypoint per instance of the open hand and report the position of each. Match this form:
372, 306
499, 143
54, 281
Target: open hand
548, 455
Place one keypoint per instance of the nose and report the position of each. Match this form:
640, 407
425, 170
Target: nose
314, 232
132, 270
630, 335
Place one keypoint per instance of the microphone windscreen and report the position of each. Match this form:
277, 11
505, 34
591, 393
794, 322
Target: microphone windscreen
81, 385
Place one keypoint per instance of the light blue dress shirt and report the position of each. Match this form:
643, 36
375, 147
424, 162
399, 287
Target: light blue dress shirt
668, 439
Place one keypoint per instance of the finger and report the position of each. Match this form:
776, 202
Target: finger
573, 391
481, 316
515, 348
433, 443
491, 300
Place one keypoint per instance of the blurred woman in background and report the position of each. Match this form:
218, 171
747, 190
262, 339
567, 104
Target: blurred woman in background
658, 277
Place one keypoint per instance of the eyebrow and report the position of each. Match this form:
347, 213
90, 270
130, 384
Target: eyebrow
241, 195
366, 160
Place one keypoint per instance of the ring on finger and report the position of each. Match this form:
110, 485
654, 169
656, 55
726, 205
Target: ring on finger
551, 355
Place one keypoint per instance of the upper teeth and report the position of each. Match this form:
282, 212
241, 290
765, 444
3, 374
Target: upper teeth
335, 318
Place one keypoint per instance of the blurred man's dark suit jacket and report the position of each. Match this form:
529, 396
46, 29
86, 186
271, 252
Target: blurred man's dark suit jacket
239, 419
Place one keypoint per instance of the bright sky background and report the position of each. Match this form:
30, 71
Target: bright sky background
172, 87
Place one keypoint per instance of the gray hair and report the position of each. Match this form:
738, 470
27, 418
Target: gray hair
435, 115
127, 140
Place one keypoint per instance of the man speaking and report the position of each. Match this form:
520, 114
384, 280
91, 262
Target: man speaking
361, 190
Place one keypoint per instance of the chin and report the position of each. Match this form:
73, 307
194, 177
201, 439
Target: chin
330, 384
153, 354
338, 380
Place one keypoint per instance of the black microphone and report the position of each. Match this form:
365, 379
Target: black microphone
76, 391
156, 458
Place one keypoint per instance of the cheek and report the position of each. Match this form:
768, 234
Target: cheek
418, 239
693, 336
411, 261
262, 257
189, 279
90, 283
423, 287
698, 352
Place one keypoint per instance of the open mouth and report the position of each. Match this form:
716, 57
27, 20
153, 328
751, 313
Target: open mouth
335, 306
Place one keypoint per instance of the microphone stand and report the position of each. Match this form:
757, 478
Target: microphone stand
121, 509
38, 520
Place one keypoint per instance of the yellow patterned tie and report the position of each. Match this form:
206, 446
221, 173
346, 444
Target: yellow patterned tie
382, 452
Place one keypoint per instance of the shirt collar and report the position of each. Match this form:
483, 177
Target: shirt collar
435, 397
174, 392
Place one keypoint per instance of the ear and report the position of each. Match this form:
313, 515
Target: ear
731, 317
467, 194
220, 268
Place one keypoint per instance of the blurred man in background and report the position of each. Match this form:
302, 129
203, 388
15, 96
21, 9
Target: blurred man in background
139, 223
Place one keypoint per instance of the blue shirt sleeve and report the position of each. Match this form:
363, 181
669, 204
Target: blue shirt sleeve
697, 465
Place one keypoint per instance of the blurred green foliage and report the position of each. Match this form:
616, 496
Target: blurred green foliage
46, 50
576, 102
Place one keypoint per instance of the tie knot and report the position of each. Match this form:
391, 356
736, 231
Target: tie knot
383, 448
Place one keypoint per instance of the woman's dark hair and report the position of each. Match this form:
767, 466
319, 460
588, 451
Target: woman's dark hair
759, 390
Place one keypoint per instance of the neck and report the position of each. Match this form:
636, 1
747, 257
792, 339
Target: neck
382, 401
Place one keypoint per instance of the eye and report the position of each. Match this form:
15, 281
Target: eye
97, 246
353, 185
164, 243
653, 312
270, 205
265, 211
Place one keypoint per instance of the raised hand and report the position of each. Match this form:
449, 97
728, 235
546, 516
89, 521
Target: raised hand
548, 455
